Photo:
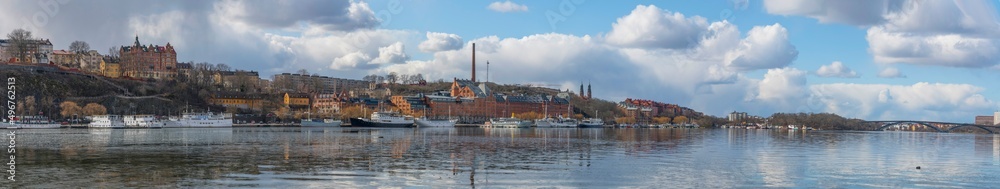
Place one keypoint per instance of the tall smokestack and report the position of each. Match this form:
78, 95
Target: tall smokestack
473, 62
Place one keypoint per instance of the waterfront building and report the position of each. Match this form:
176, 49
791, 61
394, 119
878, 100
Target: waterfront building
296, 101
996, 118
39, 51
238, 100
148, 61
327, 103
985, 120
315, 83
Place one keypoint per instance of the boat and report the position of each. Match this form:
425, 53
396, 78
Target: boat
592, 123
424, 122
206, 119
31, 122
383, 119
556, 122
427, 122
321, 122
142, 121
106, 122
508, 123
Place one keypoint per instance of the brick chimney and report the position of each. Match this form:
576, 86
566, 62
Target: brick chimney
473, 62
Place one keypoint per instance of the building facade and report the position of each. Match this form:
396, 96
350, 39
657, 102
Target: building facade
326, 103
148, 61
110, 67
985, 120
296, 101
238, 100
38, 51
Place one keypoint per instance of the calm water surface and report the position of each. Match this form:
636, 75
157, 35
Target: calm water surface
505, 158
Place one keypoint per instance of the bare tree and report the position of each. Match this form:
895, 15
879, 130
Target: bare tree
302, 72
392, 77
19, 40
222, 67
79, 47
114, 52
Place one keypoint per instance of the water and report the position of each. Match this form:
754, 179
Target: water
506, 158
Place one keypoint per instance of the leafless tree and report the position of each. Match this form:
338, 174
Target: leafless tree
19, 40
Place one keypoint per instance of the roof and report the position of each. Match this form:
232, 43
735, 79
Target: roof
297, 95
247, 73
480, 91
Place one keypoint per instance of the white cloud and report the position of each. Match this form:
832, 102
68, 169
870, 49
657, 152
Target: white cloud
854, 12
765, 47
940, 33
507, 6
890, 72
652, 27
440, 42
932, 101
391, 54
350, 61
836, 69
344, 15
783, 85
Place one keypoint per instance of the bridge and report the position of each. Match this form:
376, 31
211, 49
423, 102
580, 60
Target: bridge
937, 126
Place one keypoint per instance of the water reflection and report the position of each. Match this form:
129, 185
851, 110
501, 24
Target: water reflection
506, 157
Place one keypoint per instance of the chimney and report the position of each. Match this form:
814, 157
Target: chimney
473, 62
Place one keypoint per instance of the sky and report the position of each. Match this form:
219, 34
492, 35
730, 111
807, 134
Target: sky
870, 59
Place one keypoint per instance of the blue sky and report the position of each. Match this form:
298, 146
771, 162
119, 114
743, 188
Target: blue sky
893, 60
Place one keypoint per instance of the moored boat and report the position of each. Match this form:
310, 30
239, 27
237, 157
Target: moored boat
106, 122
592, 123
207, 119
508, 123
383, 119
142, 121
31, 122
424, 122
321, 123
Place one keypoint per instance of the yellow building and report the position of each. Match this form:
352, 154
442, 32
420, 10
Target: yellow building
110, 68
241, 101
297, 100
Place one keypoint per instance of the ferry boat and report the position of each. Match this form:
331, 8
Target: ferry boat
592, 123
142, 121
31, 122
207, 119
424, 122
321, 123
107, 121
556, 122
508, 123
383, 119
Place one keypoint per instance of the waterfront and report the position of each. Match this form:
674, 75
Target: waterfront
484, 157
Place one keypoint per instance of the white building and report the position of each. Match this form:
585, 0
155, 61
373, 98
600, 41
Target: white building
996, 117
39, 51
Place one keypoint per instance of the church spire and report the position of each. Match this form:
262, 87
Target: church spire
137, 40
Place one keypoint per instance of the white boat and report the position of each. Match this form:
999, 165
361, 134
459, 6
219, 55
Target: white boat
321, 123
383, 119
207, 119
142, 121
424, 122
31, 122
592, 123
107, 121
508, 123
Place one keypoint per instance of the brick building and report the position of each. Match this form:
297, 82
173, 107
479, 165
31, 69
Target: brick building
984, 120
148, 61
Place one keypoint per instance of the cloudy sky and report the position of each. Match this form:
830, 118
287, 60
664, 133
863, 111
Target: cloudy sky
871, 59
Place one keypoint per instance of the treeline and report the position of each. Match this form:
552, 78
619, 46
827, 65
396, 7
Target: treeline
825, 121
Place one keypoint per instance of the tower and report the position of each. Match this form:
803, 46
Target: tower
589, 95
581, 91
473, 62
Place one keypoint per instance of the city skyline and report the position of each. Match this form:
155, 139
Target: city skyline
928, 60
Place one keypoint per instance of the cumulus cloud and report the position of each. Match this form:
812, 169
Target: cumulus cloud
507, 6
890, 72
765, 47
836, 69
330, 14
391, 54
853, 12
652, 27
350, 61
933, 101
783, 85
940, 33
440, 42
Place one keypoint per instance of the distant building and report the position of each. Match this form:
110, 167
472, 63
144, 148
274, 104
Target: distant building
238, 80
65, 58
738, 116
184, 69
327, 103
996, 118
985, 120
90, 61
238, 100
110, 67
296, 101
39, 52
148, 61
326, 84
